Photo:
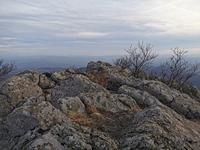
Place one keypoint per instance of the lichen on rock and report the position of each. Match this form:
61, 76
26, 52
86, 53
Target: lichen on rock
103, 108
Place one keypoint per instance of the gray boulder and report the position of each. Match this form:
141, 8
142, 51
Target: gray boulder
55, 131
17, 89
61, 75
180, 102
72, 86
71, 105
117, 80
46, 82
109, 102
159, 127
102, 67
142, 98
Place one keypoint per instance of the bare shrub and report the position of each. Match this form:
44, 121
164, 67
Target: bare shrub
124, 61
6, 68
177, 69
139, 58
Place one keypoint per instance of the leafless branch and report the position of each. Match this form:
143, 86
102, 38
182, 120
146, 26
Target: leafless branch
6, 68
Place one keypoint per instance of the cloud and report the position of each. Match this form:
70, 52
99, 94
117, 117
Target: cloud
167, 4
93, 24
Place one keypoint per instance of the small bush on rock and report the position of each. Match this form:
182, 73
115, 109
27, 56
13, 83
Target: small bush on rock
139, 58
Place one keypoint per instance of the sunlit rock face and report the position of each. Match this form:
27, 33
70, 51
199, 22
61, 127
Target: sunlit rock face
102, 108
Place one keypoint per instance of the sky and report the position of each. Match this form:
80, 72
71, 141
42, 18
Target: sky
97, 27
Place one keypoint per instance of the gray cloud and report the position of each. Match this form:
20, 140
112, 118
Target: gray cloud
95, 27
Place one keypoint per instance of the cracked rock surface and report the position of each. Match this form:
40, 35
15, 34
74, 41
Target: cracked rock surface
69, 110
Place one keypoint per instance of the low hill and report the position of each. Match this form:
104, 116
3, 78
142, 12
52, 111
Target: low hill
104, 107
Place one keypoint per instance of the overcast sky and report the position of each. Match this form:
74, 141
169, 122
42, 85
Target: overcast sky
97, 27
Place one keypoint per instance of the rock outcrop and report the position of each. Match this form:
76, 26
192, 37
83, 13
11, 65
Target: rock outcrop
17, 89
159, 127
102, 67
103, 108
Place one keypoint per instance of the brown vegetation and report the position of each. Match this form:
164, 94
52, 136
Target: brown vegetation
101, 79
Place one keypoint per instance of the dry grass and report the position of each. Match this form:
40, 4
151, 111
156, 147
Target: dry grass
112, 123
90, 119
91, 109
82, 119
101, 79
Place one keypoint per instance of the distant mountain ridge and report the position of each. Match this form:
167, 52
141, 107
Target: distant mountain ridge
34, 62
56, 63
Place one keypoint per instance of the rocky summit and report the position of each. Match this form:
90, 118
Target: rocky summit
104, 108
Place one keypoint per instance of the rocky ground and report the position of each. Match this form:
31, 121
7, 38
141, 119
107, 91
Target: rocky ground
102, 108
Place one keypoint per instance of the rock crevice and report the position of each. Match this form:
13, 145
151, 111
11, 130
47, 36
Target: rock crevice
102, 108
